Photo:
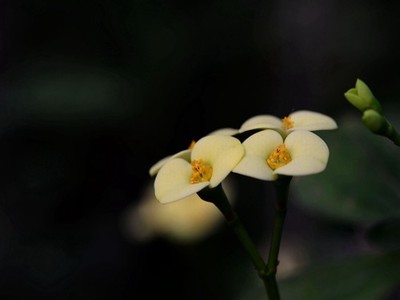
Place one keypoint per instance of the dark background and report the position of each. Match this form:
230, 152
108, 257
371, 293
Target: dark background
94, 92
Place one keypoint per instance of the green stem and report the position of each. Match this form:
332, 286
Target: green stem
383, 126
282, 191
393, 135
218, 197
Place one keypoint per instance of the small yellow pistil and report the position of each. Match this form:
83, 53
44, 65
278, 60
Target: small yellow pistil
287, 123
201, 171
279, 157
192, 145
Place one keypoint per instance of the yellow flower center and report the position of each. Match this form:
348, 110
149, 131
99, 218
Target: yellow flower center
279, 157
287, 123
201, 171
192, 145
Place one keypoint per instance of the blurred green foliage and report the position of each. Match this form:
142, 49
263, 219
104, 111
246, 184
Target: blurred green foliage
364, 277
361, 182
360, 188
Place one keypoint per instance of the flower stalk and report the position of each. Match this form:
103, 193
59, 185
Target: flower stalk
266, 271
282, 192
218, 197
378, 124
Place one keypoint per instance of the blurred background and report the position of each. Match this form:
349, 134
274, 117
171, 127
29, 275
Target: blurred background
93, 93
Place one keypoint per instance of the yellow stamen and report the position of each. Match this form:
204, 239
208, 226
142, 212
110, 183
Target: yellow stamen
201, 171
287, 123
192, 145
279, 157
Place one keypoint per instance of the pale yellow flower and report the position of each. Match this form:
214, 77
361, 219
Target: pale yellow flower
299, 120
268, 155
186, 221
212, 159
185, 154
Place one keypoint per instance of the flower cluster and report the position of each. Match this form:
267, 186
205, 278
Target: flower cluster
278, 147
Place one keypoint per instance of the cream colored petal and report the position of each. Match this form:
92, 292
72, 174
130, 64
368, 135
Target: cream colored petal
302, 166
258, 147
188, 219
261, 122
262, 143
185, 221
173, 181
309, 154
256, 167
157, 166
222, 153
309, 120
224, 131
185, 154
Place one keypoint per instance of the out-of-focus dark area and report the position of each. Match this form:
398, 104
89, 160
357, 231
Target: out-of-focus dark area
93, 93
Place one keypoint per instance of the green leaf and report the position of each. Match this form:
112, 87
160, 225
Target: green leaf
361, 182
366, 277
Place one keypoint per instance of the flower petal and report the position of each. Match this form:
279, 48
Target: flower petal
309, 154
262, 143
189, 219
261, 122
309, 120
185, 154
256, 167
224, 131
221, 152
173, 181
302, 166
258, 147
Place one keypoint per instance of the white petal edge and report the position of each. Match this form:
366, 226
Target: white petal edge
302, 166
222, 153
185, 154
262, 143
256, 167
224, 131
310, 120
172, 182
261, 122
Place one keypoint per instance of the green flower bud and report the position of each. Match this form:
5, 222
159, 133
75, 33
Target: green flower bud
374, 121
353, 97
362, 98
